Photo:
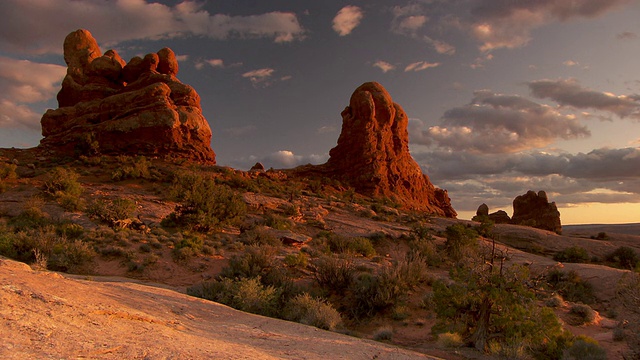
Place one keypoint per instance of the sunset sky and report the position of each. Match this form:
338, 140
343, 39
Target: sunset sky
503, 96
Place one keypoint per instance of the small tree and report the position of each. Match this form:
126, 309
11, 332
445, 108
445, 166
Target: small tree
460, 239
487, 302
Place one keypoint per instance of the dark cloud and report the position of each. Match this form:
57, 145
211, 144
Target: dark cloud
36, 27
568, 92
602, 175
496, 123
626, 35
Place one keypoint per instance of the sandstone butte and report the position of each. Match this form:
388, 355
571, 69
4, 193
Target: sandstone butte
372, 154
137, 108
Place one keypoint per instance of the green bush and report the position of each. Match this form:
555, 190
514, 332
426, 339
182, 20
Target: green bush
255, 261
586, 348
573, 254
460, 241
112, 212
334, 274
383, 333
308, 310
71, 256
30, 218
204, 205
7, 172
584, 314
299, 260
61, 180
571, 286
624, 257
135, 169
246, 294
361, 246
278, 222
260, 236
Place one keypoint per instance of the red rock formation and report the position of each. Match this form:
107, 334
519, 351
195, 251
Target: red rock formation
137, 108
535, 210
373, 156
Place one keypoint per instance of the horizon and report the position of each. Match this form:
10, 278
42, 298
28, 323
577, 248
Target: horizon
502, 97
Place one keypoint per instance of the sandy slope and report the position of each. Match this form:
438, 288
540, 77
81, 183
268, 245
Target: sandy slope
44, 315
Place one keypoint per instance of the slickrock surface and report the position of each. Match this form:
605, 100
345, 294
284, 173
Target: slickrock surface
44, 315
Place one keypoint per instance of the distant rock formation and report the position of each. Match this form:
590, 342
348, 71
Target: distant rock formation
530, 209
140, 108
372, 154
535, 210
498, 217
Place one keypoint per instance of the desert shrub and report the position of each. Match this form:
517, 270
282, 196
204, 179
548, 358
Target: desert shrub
425, 249
204, 205
329, 242
113, 211
278, 222
618, 333
624, 257
255, 261
383, 333
584, 314
571, 286
573, 254
61, 180
87, 144
30, 218
601, 236
554, 301
450, 340
460, 240
135, 169
191, 241
260, 236
8, 171
421, 231
246, 294
296, 260
308, 310
361, 246
333, 273
585, 348
400, 312
71, 256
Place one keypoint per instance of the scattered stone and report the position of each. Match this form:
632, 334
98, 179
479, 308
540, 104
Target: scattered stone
290, 238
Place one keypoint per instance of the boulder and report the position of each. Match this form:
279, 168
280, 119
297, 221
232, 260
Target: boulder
372, 154
139, 108
483, 210
535, 210
500, 217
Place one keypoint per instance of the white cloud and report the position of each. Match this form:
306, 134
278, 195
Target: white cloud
420, 65
384, 66
497, 123
282, 159
407, 20
182, 58
441, 47
347, 19
570, 63
24, 82
214, 63
37, 27
259, 76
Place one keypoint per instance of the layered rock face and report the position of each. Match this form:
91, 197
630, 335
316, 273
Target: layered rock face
372, 153
135, 108
535, 210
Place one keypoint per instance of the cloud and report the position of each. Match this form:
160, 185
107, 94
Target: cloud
420, 65
407, 20
384, 66
441, 47
214, 63
568, 92
497, 123
570, 63
347, 19
182, 58
508, 24
25, 82
601, 175
259, 76
37, 27
626, 35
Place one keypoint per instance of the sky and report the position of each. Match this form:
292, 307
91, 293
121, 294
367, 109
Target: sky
503, 96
